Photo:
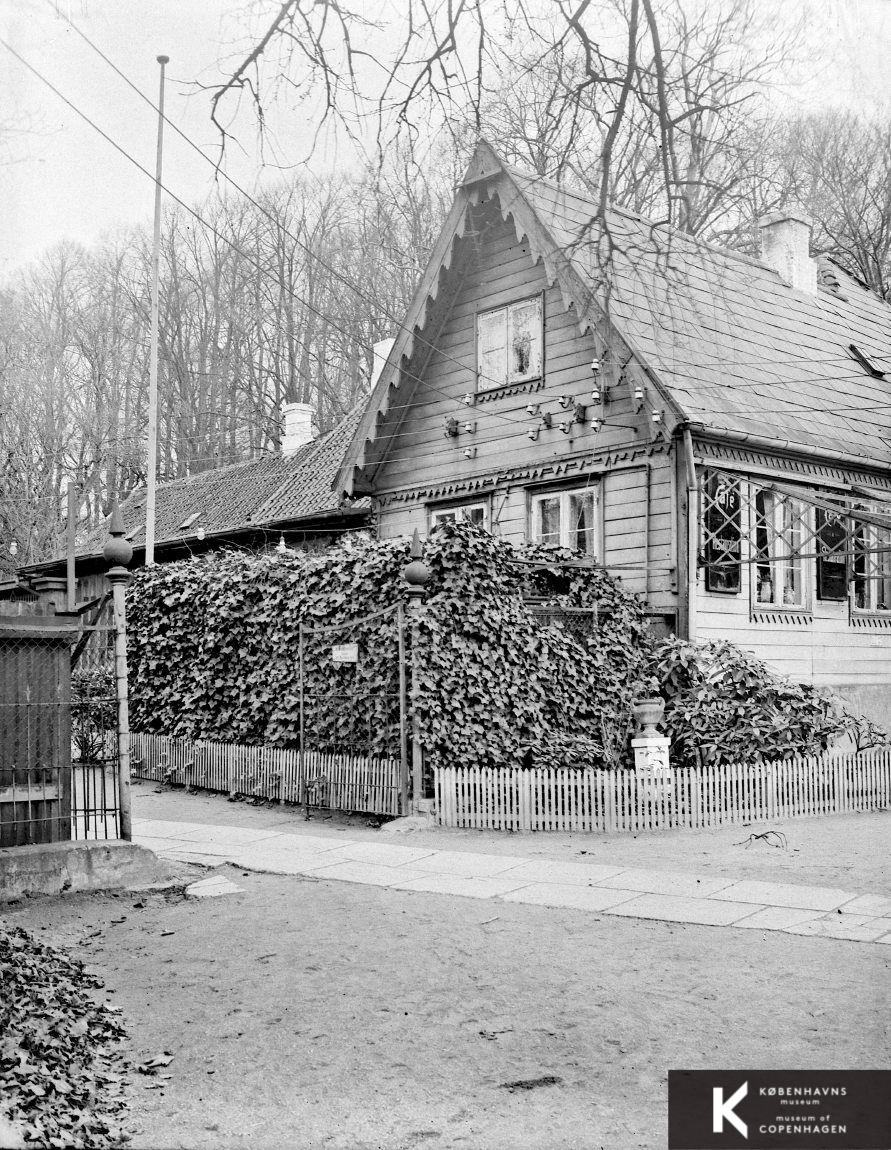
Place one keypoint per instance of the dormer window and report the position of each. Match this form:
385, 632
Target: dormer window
509, 344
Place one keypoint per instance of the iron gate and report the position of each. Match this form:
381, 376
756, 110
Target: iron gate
58, 731
353, 738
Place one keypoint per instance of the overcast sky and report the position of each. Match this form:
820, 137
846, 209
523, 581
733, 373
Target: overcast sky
59, 179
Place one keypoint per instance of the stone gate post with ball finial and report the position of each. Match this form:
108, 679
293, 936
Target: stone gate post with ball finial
118, 554
416, 575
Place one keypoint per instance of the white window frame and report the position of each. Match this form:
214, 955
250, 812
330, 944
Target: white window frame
564, 495
460, 513
510, 376
780, 553
874, 564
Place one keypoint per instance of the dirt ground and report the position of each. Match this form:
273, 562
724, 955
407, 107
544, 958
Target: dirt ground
311, 1013
848, 851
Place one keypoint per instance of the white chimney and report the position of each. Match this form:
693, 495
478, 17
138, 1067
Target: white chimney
786, 247
381, 349
298, 430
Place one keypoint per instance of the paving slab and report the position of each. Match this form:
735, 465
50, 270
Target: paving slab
387, 854
839, 927
460, 885
674, 908
230, 836
778, 918
876, 904
554, 871
277, 861
166, 828
666, 882
467, 864
568, 894
785, 894
372, 874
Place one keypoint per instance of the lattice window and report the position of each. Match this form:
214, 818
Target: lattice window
722, 533
781, 527
871, 582
787, 538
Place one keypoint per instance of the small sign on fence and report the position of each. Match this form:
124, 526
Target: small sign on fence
345, 653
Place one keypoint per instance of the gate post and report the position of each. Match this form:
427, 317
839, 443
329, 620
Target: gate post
118, 552
416, 575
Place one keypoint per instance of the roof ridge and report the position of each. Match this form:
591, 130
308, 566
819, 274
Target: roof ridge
619, 210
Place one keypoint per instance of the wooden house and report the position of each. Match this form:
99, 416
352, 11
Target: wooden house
714, 429
252, 505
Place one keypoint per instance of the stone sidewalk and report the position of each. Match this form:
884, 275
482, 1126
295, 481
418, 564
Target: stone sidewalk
627, 891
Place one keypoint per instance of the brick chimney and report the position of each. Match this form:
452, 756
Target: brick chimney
298, 426
786, 247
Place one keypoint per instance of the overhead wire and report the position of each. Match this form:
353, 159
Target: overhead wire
477, 411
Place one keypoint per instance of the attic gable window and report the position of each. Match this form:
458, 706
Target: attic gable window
509, 344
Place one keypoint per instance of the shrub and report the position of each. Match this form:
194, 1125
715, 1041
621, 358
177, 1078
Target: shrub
723, 705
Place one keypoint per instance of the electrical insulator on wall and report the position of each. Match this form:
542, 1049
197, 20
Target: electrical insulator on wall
532, 408
566, 426
595, 366
469, 427
566, 401
596, 425
533, 433
656, 417
469, 452
597, 394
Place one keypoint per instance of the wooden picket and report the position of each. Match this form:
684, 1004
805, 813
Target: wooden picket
335, 781
568, 799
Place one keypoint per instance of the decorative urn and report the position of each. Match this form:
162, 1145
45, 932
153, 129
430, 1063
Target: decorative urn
648, 713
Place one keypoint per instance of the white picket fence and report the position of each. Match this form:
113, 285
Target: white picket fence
336, 781
565, 799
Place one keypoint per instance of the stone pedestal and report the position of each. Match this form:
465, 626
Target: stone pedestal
651, 756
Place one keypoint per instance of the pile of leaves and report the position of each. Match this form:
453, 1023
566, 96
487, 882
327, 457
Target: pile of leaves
60, 1076
214, 655
724, 705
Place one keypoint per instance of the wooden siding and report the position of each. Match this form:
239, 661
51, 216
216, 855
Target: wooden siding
420, 466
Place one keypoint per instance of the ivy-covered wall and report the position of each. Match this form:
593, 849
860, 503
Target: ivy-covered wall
213, 648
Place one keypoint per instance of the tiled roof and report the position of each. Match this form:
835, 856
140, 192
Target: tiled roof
261, 492
737, 348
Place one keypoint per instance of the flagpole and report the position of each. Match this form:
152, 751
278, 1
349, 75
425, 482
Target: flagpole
152, 430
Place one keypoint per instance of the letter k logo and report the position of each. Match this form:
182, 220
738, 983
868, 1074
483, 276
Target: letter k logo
722, 1110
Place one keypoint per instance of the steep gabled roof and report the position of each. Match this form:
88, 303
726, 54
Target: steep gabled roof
731, 348
267, 492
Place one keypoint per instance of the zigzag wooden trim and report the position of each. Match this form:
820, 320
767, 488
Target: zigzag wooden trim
786, 618
871, 622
